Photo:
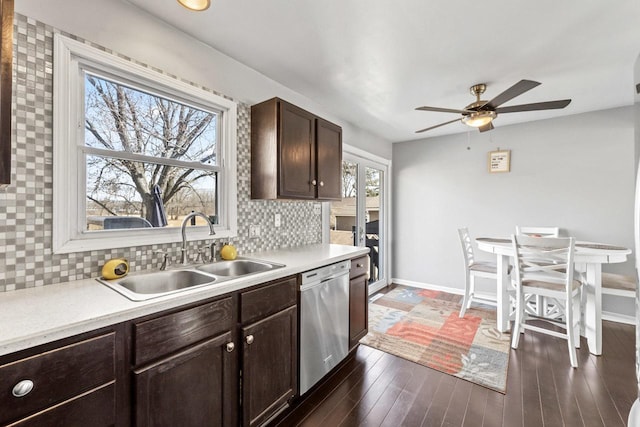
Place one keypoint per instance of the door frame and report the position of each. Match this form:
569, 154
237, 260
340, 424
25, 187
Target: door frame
365, 159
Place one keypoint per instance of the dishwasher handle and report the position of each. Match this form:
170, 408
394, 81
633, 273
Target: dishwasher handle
325, 273
318, 283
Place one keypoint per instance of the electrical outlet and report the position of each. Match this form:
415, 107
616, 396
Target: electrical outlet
254, 231
277, 220
317, 209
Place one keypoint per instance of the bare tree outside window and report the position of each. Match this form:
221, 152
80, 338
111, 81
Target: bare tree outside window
137, 141
349, 179
372, 183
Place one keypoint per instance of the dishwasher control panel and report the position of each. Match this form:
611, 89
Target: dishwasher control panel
324, 273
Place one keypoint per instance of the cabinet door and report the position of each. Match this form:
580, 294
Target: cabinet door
329, 161
269, 365
358, 309
194, 387
296, 153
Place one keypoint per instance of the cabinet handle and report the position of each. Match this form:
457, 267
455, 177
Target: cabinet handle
249, 339
230, 347
359, 265
23, 388
314, 182
321, 183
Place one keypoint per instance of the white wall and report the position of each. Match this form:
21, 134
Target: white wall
575, 172
125, 29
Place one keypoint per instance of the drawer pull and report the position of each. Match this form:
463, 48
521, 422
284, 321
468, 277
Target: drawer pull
249, 339
230, 347
359, 265
23, 388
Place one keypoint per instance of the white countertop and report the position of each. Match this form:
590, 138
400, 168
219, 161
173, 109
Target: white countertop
34, 316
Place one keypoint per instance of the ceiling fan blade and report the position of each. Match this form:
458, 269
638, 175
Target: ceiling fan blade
486, 127
437, 126
549, 105
517, 89
443, 110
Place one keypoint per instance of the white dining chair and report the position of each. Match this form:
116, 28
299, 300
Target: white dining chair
538, 305
538, 231
473, 269
619, 285
545, 267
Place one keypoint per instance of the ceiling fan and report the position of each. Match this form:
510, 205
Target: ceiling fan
480, 114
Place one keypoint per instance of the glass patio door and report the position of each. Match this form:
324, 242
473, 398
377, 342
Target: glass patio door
359, 218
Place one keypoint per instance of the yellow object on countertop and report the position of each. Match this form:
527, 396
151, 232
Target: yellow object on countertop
115, 268
228, 252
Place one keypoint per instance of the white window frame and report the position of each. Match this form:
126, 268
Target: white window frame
71, 58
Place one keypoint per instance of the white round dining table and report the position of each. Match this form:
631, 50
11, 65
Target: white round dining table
588, 259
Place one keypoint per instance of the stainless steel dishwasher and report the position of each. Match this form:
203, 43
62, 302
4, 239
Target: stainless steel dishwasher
324, 321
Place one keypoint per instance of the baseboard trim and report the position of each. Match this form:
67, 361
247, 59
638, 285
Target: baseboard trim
619, 318
429, 286
606, 315
432, 287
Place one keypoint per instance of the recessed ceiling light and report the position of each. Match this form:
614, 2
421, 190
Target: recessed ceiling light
197, 5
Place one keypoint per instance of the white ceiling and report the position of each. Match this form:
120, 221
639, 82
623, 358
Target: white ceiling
372, 62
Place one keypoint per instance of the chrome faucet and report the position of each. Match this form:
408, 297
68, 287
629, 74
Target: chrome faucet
184, 232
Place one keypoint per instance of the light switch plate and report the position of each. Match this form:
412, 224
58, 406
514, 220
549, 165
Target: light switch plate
277, 220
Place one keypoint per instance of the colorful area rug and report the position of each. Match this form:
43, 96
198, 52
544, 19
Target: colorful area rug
423, 326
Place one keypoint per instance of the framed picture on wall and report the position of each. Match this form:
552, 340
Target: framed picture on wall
499, 161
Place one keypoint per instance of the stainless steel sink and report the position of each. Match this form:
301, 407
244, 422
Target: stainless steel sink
238, 267
151, 285
142, 287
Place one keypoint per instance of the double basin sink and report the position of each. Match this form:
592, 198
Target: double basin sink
151, 285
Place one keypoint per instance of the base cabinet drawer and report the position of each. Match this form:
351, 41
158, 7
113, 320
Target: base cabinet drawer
33, 384
174, 331
359, 266
268, 299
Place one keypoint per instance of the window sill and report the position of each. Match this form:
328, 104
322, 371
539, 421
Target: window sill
124, 239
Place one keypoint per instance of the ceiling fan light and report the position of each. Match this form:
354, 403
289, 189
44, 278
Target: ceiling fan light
479, 118
196, 5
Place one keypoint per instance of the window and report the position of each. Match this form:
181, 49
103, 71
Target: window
135, 151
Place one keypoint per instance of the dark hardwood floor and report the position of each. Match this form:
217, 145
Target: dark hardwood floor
377, 389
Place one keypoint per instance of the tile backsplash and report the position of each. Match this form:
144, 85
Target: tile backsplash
26, 206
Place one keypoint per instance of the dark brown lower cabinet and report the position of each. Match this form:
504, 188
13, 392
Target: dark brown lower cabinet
358, 301
185, 366
189, 368
269, 365
194, 387
181, 367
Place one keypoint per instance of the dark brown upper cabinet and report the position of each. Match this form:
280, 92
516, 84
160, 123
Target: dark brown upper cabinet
294, 154
6, 61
